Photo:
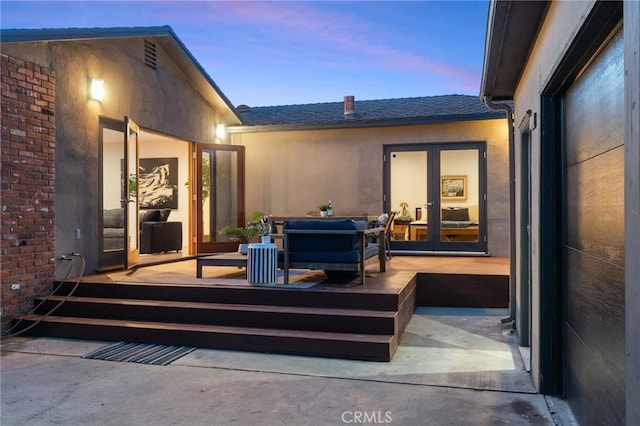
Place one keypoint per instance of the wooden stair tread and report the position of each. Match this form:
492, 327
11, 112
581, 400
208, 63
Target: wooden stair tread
247, 331
230, 306
319, 288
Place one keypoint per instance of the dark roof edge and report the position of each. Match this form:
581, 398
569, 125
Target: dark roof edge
44, 34
487, 64
371, 123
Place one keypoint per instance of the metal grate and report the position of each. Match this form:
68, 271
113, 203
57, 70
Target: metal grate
141, 353
150, 54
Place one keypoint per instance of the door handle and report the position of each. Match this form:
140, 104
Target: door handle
429, 204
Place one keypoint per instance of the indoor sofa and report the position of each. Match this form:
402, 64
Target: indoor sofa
339, 247
157, 234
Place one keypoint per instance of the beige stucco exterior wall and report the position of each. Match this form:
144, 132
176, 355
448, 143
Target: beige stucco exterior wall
292, 172
562, 23
162, 100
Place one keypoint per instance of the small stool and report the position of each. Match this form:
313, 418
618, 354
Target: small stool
262, 263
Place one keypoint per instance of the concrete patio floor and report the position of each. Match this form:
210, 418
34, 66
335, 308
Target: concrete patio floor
453, 367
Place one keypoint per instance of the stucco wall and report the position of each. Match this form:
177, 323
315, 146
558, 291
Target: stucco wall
162, 100
292, 172
560, 27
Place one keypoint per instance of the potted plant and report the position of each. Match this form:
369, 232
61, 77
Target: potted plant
258, 225
324, 209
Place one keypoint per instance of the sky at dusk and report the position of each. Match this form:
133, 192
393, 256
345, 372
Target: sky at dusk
295, 52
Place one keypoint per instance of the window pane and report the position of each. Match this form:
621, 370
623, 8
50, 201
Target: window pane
459, 195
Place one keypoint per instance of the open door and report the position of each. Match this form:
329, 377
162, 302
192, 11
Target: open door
218, 195
131, 206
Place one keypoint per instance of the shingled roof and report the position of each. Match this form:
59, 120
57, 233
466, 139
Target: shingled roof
381, 112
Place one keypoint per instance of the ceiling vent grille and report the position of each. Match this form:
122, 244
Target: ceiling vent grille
150, 54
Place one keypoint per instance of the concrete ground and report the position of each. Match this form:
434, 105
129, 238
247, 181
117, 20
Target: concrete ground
453, 367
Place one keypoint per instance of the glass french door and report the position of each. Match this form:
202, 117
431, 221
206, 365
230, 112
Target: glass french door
130, 200
218, 195
438, 192
119, 238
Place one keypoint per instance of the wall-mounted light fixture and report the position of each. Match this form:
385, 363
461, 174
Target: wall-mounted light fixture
96, 89
220, 131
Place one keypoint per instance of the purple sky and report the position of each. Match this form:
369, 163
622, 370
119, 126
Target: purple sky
282, 52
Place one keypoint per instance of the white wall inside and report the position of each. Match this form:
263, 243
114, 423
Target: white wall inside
408, 180
158, 146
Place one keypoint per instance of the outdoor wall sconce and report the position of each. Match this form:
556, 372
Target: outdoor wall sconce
220, 131
96, 89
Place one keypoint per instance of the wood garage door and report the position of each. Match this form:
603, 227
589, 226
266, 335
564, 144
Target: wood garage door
594, 249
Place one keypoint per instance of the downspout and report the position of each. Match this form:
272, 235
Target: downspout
512, 208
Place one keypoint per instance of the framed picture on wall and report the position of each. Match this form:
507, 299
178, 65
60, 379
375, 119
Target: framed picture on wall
158, 183
453, 187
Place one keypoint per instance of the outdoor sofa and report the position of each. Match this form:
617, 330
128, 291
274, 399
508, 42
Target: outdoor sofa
340, 247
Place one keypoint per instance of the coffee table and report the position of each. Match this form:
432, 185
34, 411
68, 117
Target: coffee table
221, 259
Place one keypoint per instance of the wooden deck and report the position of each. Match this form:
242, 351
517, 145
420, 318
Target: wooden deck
168, 304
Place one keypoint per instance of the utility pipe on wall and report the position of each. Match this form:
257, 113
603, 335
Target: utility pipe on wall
512, 207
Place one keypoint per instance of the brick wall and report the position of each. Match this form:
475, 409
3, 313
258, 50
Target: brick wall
27, 206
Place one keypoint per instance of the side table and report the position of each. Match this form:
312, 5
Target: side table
262, 263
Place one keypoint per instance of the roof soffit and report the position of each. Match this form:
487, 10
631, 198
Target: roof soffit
512, 27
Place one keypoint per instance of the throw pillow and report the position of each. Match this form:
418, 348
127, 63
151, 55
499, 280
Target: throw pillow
454, 213
150, 216
164, 215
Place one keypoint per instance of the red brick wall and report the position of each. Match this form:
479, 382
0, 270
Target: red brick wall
27, 206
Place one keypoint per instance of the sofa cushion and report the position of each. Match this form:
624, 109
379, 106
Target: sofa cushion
351, 256
324, 242
113, 233
113, 218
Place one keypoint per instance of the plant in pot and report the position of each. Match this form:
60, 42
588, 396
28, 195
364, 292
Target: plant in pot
258, 225
324, 209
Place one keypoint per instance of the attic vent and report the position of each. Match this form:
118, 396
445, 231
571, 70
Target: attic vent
243, 108
150, 54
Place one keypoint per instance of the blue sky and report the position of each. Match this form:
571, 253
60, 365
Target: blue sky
294, 52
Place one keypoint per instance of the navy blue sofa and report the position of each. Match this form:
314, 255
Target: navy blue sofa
339, 247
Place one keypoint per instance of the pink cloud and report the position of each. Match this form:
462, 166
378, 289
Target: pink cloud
310, 31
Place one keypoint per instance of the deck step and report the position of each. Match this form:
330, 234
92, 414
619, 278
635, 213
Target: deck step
328, 320
245, 315
339, 345
343, 298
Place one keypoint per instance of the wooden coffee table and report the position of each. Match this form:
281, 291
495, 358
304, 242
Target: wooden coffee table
221, 259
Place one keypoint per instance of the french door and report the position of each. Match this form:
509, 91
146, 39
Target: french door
439, 194
119, 157
130, 199
218, 195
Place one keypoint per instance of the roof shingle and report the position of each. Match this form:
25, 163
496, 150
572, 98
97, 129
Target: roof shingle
417, 110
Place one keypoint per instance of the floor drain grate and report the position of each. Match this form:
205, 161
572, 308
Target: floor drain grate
141, 353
